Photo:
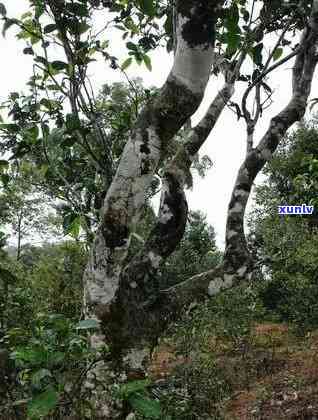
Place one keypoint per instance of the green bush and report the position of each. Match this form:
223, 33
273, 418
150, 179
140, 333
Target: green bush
56, 279
294, 299
221, 326
48, 366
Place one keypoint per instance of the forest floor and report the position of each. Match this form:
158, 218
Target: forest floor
266, 373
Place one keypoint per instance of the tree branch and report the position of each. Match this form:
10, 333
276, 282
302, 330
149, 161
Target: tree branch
237, 265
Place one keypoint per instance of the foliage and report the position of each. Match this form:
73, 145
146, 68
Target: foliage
137, 395
40, 305
196, 252
56, 279
220, 327
24, 212
77, 173
50, 361
286, 246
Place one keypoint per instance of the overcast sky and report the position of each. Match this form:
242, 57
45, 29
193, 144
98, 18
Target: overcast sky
226, 144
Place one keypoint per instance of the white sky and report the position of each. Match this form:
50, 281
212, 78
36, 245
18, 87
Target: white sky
226, 144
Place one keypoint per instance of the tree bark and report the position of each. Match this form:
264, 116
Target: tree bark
237, 263
115, 296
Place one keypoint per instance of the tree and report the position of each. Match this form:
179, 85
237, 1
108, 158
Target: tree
284, 246
23, 211
124, 297
290, 179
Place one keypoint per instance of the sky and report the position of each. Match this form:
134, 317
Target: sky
225, 145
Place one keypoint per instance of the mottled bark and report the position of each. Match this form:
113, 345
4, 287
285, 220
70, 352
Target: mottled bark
237, 264
237, 259
133, 319
141, 273
115, 295
157, 124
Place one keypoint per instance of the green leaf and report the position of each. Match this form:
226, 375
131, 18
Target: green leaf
233, 41
5, 179
87, 324
126, 63
42, 404
50, 28
72, 122
59, 65
148, 7
34, 356
134, 386
131, 46
48, 103
232, 19
7, 24
53, 87
147, 407
78, 9
72, 224
26, 15
39, 8
32, 133
3, 10
40, 374
12, 128
28, 50
257, 54
75, 227
3, 164
147, 62
83, 27
277, 54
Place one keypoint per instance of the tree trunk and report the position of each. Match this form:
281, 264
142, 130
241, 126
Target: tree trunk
19, 231
116, 295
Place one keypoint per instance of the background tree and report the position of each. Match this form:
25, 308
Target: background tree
24, 211
283, 245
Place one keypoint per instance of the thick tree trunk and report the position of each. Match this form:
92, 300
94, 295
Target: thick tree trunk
114, 296
157, 124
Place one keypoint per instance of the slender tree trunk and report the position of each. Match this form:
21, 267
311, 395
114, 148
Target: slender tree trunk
237, 263
19, 230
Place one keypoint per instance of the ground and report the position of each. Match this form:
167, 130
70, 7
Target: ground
272, 374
